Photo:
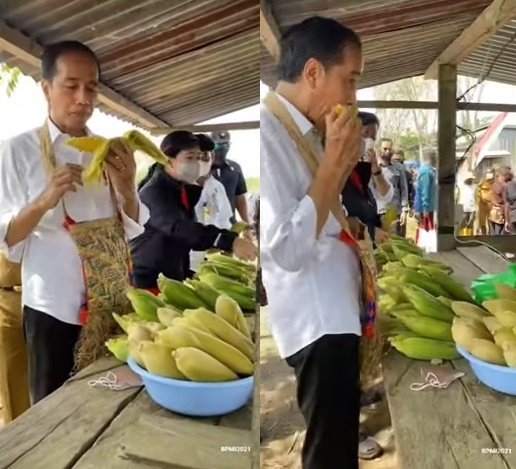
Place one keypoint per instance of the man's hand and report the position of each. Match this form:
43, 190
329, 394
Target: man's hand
121, 168
403, 218
244, 249
342, 147
64, 179
381, 236
371, 157
508, 227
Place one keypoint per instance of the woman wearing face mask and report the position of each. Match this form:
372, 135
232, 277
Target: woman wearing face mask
171, 194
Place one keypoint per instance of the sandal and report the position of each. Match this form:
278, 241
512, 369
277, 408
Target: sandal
368, 448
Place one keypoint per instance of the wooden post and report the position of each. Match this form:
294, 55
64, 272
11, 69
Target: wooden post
447, 117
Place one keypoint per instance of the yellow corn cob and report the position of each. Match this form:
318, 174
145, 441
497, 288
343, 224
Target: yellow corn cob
424, 326
421, 348
445, 301
178, 294
158, 360
167, 315
506, 318
200, 366
492, 324
509, 354
494, 306
229, 309
504, 335
505, 292
465, 309
223, 330
138, 141
86, 144
181, 336
464, 330
487, 351
188, 322
134, 353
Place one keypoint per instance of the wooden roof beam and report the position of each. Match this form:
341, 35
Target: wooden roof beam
28, 50
207, 128
492, 19
269, 30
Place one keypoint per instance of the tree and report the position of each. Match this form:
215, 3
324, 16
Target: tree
9, 78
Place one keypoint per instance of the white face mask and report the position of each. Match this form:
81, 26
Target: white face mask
189, 172
205, 168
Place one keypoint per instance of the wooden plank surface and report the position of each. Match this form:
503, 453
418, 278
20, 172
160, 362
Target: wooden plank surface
485, 259
434, 428
56, 431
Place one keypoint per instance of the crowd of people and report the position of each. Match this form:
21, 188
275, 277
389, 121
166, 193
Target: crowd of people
488, 203
55, 231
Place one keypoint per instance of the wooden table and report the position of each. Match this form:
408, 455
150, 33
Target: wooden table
449, 428
84, 427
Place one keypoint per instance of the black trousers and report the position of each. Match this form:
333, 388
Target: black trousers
328, 394
50, 349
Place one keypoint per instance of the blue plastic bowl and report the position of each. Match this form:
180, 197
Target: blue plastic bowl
500, 378
193, 398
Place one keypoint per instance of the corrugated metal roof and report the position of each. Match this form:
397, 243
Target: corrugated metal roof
401, 38
496, 56
184, 61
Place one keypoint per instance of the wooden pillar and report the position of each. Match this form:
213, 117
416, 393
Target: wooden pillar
447, 117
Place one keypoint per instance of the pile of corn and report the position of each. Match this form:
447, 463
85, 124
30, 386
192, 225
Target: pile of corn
194, 344
488, 332
415, 304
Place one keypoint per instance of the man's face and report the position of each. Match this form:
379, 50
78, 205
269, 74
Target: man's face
398, 157
220, 153
334, 85
386, 151
370, 131
72, 93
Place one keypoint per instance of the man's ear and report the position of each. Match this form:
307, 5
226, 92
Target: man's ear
45, 86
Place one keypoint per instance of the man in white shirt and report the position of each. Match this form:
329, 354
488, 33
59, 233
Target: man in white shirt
312, 278
213, 207
35, 199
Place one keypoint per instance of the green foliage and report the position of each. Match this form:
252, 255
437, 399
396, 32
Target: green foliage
9, 78
253, 184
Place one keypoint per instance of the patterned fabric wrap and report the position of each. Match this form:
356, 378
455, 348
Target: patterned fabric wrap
354, 234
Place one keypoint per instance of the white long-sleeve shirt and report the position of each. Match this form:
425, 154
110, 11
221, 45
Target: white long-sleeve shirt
313, 285
52, 277
213, 208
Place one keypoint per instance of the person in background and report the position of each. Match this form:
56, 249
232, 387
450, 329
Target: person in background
399, 157
311, 270
14, 383
467, 198
484, 202
367, 183
497, 219
426, 188
509, 195
213, 207
395, 174
171, 194
230, 174
43, 196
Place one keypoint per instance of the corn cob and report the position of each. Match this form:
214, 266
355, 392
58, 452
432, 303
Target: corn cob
236, 274
225, 284
421, 348
492, 324
198, 365
178, 294
159, 361
388, 282
424, 326
144, 303
415, 262
465, 309
221, 259
509, 354
138, 141
445, 301
125, 319
505, 292
504, 335
207, 293
229, 310
188, 322
426, 304
406, 246
506, 318
223, 330
487, 351
181, 336
86, 144
465, 329
422, 281
167, 315
119, 347
448, 283
494, 306
134, 353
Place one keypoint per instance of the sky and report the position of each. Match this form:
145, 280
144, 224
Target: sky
27, 109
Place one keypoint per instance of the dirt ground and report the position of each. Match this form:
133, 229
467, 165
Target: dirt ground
282, 426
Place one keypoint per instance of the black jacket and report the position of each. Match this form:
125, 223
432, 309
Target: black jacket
171, 232
359, 205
